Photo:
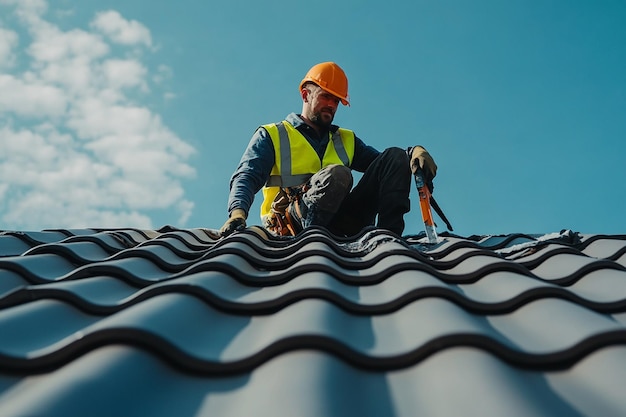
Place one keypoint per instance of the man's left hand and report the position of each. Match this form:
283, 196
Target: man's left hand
420, 158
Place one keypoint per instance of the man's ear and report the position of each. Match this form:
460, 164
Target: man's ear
304, 93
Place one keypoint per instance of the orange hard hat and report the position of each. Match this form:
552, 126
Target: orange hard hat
331, 78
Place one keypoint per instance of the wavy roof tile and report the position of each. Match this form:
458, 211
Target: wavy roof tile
127, 322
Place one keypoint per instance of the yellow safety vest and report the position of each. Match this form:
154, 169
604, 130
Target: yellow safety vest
296, 160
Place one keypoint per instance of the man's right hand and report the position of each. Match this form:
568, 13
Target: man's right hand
236, 221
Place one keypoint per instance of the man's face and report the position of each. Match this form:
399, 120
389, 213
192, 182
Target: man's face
322, 105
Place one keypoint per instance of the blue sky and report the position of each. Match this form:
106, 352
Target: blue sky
135, 114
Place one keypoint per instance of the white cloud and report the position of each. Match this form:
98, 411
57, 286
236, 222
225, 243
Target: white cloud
3, 189
61, 214
53, 45
27, 8
8, 41
31, 98
185, 208
120, 30
76, 148
163, 73
64, 13
28, 11
121, 73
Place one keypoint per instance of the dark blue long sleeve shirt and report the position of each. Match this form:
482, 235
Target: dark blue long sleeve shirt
259, 158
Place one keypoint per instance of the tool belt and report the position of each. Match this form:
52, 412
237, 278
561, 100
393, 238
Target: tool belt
281, 219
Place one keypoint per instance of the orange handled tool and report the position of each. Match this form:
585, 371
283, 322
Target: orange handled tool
425, 198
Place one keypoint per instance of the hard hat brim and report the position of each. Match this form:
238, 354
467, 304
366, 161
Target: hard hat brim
344, 100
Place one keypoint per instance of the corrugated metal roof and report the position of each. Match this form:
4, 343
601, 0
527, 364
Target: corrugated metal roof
124, 322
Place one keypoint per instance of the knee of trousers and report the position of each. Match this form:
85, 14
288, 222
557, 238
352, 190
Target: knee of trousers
396, 169
328, 187
396, 156
333, 178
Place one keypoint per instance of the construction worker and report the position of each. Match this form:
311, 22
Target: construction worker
304, 166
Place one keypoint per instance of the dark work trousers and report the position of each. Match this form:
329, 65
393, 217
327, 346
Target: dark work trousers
382, 191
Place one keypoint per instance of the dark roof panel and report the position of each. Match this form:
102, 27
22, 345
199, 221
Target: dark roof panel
178, 322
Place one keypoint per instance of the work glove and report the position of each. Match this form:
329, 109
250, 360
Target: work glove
236, 221
420, 158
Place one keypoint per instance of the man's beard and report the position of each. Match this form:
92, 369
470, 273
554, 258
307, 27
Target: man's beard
319, 120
